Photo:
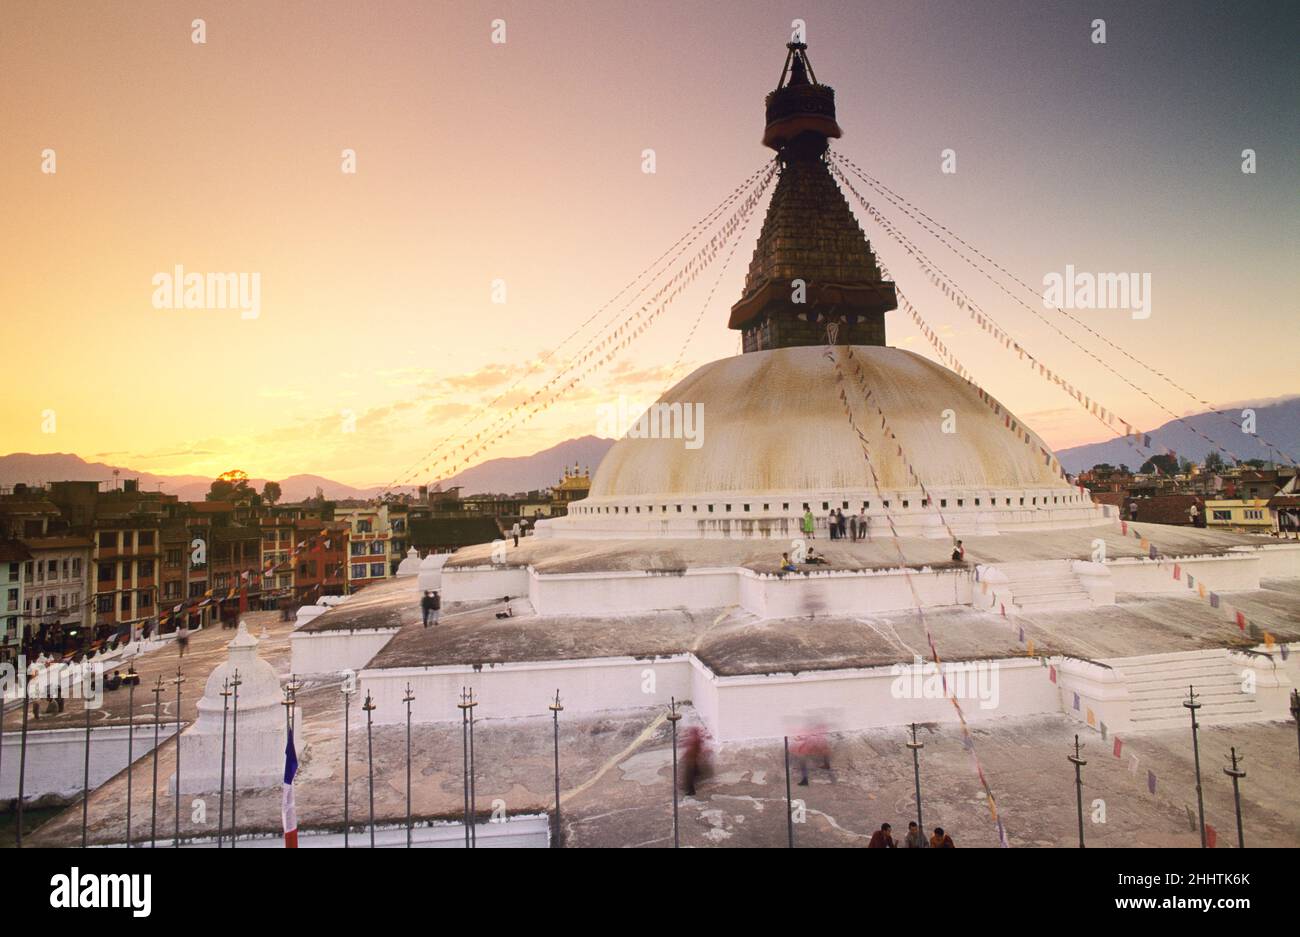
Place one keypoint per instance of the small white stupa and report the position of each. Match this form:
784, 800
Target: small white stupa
262, 733
411, 565
431, 571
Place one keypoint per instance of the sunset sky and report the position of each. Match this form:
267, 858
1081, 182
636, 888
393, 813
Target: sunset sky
522, 162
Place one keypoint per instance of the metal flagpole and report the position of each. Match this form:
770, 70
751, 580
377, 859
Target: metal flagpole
347, 709
674, 717
22, 758
407, 700
916, 747
473, 787
369, 707
1078, 763
1192, 705
234, 760
463, 706
157, 692
1237, 774
789, 804
132, 680
180, 678
221, 787
85, 777
556, 709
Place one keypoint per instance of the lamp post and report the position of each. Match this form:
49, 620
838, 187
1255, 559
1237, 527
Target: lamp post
221, 786
369, 707
916, 747
466, 707
1192, 705
556, 709
85, 777
1078, 763
673, 718
179, 679
1237, 774
157, 692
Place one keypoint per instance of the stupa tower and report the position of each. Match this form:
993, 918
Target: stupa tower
813, 263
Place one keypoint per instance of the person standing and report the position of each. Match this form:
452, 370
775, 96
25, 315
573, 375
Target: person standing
853, 527
862, 523
809, 528
426, 607
514, 532
842, 522
832, 526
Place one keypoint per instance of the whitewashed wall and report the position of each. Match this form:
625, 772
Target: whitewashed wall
56, 757
314, 652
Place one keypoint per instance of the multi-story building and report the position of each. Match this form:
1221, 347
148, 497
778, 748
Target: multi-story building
126, 573
278, 544
235, 569
369, 550
321, 567
1245, 514
13, 557
57, 595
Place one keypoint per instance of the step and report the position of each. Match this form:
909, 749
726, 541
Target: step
1047, 586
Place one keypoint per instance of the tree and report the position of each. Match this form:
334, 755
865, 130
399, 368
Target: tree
271, 492
233, 486
1163, 463
1214, 462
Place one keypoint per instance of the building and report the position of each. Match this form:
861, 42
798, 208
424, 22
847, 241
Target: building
369, 544
57, 594
13, 557
573, 486
1246, 514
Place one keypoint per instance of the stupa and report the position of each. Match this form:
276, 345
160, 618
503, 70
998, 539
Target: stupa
261, 725
775, 438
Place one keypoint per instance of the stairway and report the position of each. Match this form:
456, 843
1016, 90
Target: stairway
1048, 584
1157, 685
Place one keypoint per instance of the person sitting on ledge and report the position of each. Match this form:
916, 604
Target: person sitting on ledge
814, 558
509, 612
959, 553
786, 565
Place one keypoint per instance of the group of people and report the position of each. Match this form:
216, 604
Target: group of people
842, 526
883, 838
430, 606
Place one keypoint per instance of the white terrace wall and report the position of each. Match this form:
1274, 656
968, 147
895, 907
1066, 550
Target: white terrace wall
830, 592
734, 708
1234, 572
313, 652
56, 758
507, 691
1276, 560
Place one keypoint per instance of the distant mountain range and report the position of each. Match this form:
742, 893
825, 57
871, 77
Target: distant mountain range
523, 473
1278, 422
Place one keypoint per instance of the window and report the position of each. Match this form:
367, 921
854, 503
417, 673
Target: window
49, 603
363, 527
106, 572
376, 548
197, 590
1223, 515
52, 569
172, 590
125, 604
358, 571
107, 539
104, 604
146, 599
376, 570
126, 540
13, 600
146, 568
173, 559
358, 549
146, 538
